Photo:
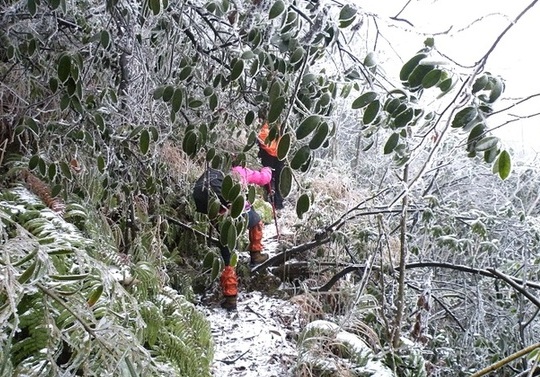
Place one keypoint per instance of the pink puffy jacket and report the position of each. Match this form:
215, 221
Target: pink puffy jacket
248, 176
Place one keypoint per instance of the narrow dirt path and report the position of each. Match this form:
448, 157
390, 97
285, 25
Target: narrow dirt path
257, 339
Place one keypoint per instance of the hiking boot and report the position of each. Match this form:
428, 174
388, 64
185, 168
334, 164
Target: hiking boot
257, 257
229, 303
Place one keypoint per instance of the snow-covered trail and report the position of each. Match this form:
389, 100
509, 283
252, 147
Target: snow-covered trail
255, 340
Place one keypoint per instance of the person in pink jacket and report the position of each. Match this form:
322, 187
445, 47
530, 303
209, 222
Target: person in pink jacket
212, 180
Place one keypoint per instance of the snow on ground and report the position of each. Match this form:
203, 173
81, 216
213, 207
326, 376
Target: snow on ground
256, 340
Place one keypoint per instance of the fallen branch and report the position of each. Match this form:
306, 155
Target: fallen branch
499, 364
290, 253
189, 227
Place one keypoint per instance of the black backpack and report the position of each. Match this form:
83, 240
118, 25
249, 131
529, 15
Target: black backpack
211, 179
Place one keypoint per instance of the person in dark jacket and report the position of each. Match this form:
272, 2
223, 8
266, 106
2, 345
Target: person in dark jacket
210, 182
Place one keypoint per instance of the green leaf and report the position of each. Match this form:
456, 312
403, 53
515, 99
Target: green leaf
64, 67
232, 236
417, 75
302, 205
371, 112
432, 78
226, 186
213, 102
101, 164
158, 92
347, 16
365, 99
480, 83
403, 118
216, 267
277, 8
144, 141
445, 85
370, 60
408, 67
497, 87
33, 163
54, 4
168, 92
276, 108
474, 136
285, 181
32, 7
300, 157
105, 38
237, 206
185, 72
51, 172
297, 55
307, 126
486, 143
176, 100
504, 164
249, 118
155, 6
464, 117
490, 155
284, 146
320, 136
237, 69
391, 143
189, 143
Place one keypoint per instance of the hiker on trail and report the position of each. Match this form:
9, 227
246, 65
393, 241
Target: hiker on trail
212, 180
268, 156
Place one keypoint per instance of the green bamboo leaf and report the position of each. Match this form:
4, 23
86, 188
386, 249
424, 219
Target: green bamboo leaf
409, 67
277, 8
391, 143
74, 277
300, 157
64, 68
237, 69
307, 126
504, 164
285, 181
320, 136
302, 205
371, 112
94, 295
276, 108
464, 117
364, 100
27, 274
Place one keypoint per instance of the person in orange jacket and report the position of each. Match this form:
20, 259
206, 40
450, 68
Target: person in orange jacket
268, 156
211, 180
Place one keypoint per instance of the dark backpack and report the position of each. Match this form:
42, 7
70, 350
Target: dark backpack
210, 180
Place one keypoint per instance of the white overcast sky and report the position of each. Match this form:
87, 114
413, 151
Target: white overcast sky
516, 59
